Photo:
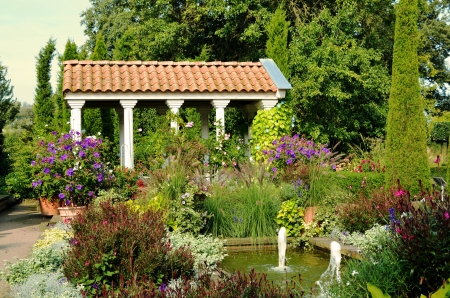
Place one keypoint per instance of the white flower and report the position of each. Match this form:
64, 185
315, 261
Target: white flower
348, 283
190, 124
238, 147
99, 133
354, 273
139, 129
68, 122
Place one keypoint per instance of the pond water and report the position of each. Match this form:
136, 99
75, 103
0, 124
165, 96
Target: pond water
310, 264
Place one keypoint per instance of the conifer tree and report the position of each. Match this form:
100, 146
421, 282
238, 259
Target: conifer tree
99, 120
277, 40
43, 104
406, 151
62, 114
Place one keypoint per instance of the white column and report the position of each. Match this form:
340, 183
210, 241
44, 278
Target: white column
220, 105
128, 106
121, 137
204, 112
174, 106
249, 114
266, 104
75, 114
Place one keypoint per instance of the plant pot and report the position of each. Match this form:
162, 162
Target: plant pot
49, 207
309, 213
68, 213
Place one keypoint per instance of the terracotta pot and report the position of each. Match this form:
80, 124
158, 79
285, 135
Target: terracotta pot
49, 207
68, 213
309, 213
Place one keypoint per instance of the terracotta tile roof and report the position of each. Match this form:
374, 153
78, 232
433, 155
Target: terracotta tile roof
167, 76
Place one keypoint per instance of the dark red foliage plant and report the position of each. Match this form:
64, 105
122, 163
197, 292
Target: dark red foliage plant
422, 230
113, 244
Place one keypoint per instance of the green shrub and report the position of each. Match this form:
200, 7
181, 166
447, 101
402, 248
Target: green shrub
291, 216
113, 244
46, 285
207, 251
372, 242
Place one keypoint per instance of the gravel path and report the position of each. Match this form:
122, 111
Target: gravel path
20, 227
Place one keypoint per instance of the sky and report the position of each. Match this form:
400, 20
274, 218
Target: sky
25, 28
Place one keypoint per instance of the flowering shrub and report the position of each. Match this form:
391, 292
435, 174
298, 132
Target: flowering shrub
361, 213
69, 168
367, 165
423, 234
371, 241
225, 151
111, 244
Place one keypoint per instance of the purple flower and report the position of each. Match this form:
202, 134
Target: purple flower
66, 136
69, 188
97, 165
289, 161
39, 182
54, 133
100, 177
69, 172
82, 154
63, 157
95, 286
79, 187
51, 159
96, 154
34, 184
274, 170
91, 193
33, 163
61, 196
46, 170
162, 287
67, 147
67, 202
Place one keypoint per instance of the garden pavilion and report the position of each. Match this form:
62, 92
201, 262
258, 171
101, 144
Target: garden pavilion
121, 85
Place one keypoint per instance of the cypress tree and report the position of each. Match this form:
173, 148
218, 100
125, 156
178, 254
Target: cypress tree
62, 114
43, 104
277, 40
406, 150
99, 120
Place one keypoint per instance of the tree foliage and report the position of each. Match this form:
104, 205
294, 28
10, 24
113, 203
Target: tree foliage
8, 111
62, 113
277, 40
406, 150
43, 103
339, 87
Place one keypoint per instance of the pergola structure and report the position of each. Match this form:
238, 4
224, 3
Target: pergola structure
122, 85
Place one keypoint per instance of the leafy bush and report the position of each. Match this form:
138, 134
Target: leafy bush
113, 244
423, 236
42, 260
371, 242
291, 216
361, 213
46, 285
207, 251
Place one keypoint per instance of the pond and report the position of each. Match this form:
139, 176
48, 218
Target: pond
310, 264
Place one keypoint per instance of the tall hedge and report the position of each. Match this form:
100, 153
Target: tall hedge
406, 149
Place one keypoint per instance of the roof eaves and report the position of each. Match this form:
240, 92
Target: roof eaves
275, 74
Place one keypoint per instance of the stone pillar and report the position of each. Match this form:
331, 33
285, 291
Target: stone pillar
174, 106
75, 114
266, 104
121, 137
220, 105
204, 112
249, 113
128, 151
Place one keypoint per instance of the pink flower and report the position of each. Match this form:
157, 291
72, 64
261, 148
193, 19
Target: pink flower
399, 193
446, 215
86, 264
438, 160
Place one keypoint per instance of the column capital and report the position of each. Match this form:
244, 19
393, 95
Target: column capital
220, 103
266, 104
76, 103
128, 103
174, 103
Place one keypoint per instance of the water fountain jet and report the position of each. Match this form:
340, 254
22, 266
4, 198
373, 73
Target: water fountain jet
282, 242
